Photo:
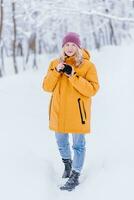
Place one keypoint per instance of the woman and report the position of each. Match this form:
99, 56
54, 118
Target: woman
73, 80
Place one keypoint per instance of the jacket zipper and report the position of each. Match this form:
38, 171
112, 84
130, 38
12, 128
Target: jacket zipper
80, 110
50, 106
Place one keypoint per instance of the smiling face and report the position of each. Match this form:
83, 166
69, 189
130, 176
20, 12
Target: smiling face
70, 48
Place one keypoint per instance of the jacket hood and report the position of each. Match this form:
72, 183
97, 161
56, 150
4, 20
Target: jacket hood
85, 54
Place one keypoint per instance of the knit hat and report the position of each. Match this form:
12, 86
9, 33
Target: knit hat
71, 37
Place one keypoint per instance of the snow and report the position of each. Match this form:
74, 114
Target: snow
30, 164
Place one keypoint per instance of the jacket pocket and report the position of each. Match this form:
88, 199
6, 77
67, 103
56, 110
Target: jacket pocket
82, 111
50, 106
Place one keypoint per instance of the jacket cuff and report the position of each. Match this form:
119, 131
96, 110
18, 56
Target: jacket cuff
73, 76
55, 72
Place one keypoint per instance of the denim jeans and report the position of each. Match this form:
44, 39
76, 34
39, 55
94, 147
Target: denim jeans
78, 149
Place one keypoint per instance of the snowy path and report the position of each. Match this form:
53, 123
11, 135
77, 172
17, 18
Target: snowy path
30, 165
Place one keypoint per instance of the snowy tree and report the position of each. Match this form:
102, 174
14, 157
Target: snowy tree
29, 28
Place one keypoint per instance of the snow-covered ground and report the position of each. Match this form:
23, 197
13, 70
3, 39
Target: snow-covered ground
30, 164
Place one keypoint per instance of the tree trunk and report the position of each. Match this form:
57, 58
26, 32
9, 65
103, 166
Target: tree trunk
1, 27
112, 34
34, 48
14, 40
96, 41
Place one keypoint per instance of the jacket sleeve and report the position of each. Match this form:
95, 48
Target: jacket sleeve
87, 86
51, 78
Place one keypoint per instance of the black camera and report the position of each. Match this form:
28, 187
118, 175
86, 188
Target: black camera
67, 69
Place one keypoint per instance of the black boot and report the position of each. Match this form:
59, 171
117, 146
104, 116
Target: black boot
72, 182
68, 167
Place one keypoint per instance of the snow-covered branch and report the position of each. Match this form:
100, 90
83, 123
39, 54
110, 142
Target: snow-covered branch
91, 12
117, 18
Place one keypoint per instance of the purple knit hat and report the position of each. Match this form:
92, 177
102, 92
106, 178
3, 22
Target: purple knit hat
71, 37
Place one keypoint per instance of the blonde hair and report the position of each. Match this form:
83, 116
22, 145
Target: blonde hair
78, 56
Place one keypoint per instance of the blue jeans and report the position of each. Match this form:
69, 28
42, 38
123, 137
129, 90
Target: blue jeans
78, 148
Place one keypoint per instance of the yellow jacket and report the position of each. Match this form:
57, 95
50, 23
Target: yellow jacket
70, 104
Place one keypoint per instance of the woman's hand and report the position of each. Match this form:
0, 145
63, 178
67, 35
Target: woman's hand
59, 67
